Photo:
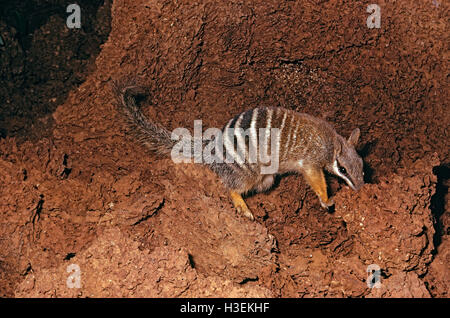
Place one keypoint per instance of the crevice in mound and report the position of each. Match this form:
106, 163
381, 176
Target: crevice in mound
437, 205
249, 279
69, 256
150, 213
369, 171
36, 212
27, 270
191, 260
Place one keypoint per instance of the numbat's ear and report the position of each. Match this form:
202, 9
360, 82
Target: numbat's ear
354, 137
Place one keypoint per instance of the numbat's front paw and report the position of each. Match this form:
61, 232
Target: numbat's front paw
240, 205
328, 204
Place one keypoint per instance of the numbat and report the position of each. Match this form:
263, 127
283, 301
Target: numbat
297, 141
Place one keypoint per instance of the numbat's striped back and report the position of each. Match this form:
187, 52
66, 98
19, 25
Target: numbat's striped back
290, 134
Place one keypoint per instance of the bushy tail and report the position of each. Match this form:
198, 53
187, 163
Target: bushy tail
153, 136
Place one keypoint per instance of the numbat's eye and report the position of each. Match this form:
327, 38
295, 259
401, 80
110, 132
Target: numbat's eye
342, 170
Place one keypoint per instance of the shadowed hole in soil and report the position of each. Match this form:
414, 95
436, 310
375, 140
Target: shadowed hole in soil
438, 201
248, 279
191, 260
364, 151
69, 256
41, 69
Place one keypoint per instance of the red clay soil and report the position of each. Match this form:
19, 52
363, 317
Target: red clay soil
76, 189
